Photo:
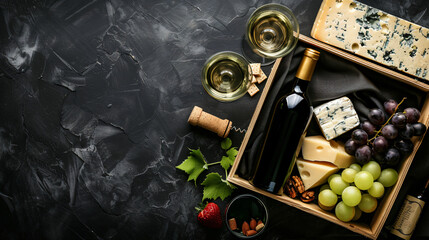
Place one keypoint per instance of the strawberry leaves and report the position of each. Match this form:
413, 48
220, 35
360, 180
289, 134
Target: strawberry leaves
214, 185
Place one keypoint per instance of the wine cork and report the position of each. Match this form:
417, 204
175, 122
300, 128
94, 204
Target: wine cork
207, 121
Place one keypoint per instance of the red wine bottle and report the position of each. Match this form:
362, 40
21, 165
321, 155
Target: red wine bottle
286, 126
409, 214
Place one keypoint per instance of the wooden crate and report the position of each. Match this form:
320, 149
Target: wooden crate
374, 228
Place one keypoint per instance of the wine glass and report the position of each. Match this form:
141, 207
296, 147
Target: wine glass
271, 32
226, 76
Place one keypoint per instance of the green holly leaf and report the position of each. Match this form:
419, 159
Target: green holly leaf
226, 144
232, 153
194, 165
216, 187
226, 162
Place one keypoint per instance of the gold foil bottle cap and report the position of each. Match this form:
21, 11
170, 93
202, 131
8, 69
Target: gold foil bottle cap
308, 63
311, 53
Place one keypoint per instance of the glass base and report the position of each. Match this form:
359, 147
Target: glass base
252, 57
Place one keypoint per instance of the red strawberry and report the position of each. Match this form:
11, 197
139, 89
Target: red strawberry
210, 216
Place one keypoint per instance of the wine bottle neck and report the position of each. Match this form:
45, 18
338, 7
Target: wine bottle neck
300, 85
307, 65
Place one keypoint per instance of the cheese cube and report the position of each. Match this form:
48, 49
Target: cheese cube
314, 174
336, 117
374, 34
317, 148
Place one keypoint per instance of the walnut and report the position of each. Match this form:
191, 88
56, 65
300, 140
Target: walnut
308, 196
294, 187
298, 184
290, 189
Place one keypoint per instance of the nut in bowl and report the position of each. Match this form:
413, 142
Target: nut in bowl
246, 216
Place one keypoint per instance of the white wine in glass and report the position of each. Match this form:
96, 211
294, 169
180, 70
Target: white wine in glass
272, 31
226, 76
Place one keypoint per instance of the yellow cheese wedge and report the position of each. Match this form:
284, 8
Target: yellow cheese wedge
317, 148
314, 174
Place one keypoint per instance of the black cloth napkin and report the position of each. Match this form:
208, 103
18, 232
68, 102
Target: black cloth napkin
333, 78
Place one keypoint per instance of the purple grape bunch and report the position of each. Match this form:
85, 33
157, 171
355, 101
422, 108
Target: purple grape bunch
386, 140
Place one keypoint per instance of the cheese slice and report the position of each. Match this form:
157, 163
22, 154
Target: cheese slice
317, 148
336, 117
374, 34
314, 174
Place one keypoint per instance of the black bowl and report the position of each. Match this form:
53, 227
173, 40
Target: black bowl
243, 208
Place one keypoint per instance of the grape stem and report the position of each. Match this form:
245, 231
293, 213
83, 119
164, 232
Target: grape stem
381, 128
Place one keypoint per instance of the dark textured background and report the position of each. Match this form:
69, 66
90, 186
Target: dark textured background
94, 98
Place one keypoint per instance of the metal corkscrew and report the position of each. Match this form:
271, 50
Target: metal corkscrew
240, 130
212, 123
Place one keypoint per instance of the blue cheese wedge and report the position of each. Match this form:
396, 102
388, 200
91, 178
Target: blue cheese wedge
336, 117
374, 34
